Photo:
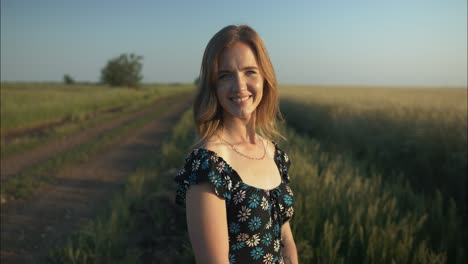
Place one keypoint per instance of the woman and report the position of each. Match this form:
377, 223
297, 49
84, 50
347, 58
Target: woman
235, 182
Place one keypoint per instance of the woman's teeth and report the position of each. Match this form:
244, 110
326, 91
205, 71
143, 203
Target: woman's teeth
240, 99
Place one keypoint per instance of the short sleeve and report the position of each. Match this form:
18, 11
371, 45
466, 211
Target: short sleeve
287, 196
201, 166
283, 161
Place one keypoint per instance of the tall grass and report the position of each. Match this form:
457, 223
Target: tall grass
346, 214
416, 134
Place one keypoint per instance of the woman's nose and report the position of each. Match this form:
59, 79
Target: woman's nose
239, 83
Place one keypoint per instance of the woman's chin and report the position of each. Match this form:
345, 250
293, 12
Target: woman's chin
241, 114
245, 116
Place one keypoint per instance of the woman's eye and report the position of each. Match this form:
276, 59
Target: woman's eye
223, 76
251, 73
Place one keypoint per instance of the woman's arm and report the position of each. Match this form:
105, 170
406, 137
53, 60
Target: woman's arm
289, 249
207, 224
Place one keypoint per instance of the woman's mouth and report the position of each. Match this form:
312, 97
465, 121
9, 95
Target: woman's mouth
240, 99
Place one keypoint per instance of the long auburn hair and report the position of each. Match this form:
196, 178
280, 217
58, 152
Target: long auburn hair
207, 111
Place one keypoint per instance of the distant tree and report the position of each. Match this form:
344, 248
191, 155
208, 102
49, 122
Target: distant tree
67, 79
124, 70
196, 81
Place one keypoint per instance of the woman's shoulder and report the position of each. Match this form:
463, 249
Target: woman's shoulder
210, 153
211, 147
204, 165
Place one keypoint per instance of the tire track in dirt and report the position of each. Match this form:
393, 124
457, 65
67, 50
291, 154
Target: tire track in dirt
29, 229
12, 165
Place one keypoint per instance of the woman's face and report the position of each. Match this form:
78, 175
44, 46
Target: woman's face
239, 86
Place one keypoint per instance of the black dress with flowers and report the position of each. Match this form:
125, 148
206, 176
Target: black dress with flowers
254, 215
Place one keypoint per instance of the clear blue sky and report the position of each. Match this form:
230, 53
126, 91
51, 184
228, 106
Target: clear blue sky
379, 42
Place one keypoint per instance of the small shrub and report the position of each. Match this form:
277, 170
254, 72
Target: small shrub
124, 70
67, 79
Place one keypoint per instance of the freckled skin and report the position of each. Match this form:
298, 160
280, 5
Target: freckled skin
240, 84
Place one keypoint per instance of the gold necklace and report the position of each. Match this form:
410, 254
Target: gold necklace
243, 155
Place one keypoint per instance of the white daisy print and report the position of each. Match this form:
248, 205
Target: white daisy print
244, 214
268, 224
290, 212
239, 196
281, 260
227, 183
242, 237
253, 241
195, 164
220, 166
214, 158
264, 203
281, 207
268, 258
181, 172
276, 245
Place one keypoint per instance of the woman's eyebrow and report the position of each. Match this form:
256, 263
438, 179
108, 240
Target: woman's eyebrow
250, 68
243, 69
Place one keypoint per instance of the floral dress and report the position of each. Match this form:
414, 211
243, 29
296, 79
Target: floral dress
254, 215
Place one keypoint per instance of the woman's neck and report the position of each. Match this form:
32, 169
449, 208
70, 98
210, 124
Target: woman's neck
238, 131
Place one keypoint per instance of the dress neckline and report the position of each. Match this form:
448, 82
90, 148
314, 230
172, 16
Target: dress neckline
275, 159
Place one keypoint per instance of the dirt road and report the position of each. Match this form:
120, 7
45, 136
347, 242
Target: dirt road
30, 228
14, 164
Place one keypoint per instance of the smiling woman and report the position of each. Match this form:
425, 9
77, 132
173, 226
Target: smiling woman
240, 84
235, 183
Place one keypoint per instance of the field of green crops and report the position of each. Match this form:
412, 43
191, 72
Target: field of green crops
415, 135
382, 172
379, 176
